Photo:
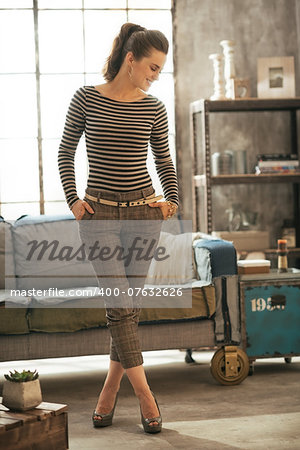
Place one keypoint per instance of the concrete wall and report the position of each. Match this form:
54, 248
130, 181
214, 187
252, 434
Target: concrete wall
260, 28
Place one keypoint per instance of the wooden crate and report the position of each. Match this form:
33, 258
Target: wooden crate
42, 428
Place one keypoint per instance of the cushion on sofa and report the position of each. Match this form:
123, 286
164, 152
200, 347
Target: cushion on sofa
13, 298
7, 266
75, 317
52, 320
44, 253
203, 306
13, 320
178, 268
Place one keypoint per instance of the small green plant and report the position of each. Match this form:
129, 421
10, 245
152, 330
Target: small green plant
20, 377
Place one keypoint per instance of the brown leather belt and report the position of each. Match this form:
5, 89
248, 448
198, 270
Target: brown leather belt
142, 201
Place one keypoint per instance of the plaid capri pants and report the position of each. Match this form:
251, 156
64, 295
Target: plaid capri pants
121, 228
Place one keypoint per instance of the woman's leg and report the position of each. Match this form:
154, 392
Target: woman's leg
137, 273
123, 311
110, 388
138, 380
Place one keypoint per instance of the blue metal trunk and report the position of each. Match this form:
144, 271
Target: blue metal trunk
270, 313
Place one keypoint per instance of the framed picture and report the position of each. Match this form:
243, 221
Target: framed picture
276, 77
241, 88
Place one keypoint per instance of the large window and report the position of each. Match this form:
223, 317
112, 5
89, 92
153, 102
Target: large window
48, 49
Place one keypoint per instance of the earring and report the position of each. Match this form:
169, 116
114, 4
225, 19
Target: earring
130, 72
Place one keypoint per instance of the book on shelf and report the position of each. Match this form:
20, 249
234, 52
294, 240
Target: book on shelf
284, 163
277, 169
277, 157
277, 163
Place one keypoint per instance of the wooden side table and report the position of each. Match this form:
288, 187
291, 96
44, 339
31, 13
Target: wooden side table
42, 428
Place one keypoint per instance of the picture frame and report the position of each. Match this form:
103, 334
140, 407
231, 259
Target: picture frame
241, 88
276, 77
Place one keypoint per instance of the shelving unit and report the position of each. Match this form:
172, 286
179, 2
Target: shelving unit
201, 157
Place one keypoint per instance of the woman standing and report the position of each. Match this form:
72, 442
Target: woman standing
119, 121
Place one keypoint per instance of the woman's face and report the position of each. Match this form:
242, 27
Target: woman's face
144, 72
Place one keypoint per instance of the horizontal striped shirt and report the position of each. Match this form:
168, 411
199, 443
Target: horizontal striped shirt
117, 135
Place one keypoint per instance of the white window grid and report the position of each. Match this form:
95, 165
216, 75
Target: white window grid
36, 7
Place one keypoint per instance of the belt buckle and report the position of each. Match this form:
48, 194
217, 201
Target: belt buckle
123, 204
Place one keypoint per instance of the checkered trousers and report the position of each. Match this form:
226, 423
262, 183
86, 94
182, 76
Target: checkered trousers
122, 228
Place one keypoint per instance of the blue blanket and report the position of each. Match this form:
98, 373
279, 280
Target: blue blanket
222, 256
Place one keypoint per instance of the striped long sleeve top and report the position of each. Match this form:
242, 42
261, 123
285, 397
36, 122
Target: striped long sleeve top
117, 135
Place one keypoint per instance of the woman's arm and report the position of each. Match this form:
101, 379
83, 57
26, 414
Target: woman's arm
159, 141
73, 130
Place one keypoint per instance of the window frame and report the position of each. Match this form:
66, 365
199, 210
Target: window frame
38, 74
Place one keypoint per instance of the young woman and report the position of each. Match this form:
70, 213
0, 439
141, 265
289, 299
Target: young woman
119, 121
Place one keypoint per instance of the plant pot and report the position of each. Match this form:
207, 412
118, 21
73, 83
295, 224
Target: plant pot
21, 396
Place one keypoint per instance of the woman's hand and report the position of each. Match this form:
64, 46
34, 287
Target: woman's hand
79, 209
168, 209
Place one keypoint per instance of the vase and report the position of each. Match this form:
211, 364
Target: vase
21, 396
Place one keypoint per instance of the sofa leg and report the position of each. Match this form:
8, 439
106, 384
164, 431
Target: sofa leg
188, 356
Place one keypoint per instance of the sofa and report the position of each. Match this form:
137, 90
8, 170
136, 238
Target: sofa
43, 323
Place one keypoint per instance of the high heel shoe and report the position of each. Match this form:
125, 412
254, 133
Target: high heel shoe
155, 428
105, 419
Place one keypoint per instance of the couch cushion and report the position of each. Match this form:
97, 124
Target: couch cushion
73, 316
52, 320
178, 268
45, 253
13, 320
203, 306
7, 267
13, 297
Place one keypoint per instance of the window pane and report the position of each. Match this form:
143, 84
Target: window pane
159, 4
19, 170
98, 4
81, 168
92, 79
15, 210
17, 41
152, 169
164, 90
56, 4
158, 20
16, 4
56, 94
172, 147
101, 27
61, 43
52, 185
18, 115
54, 208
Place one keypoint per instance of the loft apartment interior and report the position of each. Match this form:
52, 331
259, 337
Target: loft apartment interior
159, 168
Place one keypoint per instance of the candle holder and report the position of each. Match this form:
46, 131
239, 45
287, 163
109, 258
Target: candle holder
218, 94
229, 68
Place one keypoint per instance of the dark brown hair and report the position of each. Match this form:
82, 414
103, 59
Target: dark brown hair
136, 39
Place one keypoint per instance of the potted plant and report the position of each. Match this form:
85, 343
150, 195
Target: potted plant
21, 390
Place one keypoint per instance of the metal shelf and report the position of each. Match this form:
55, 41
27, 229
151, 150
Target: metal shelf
203, 183
293, 251
252, 178
247, 105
